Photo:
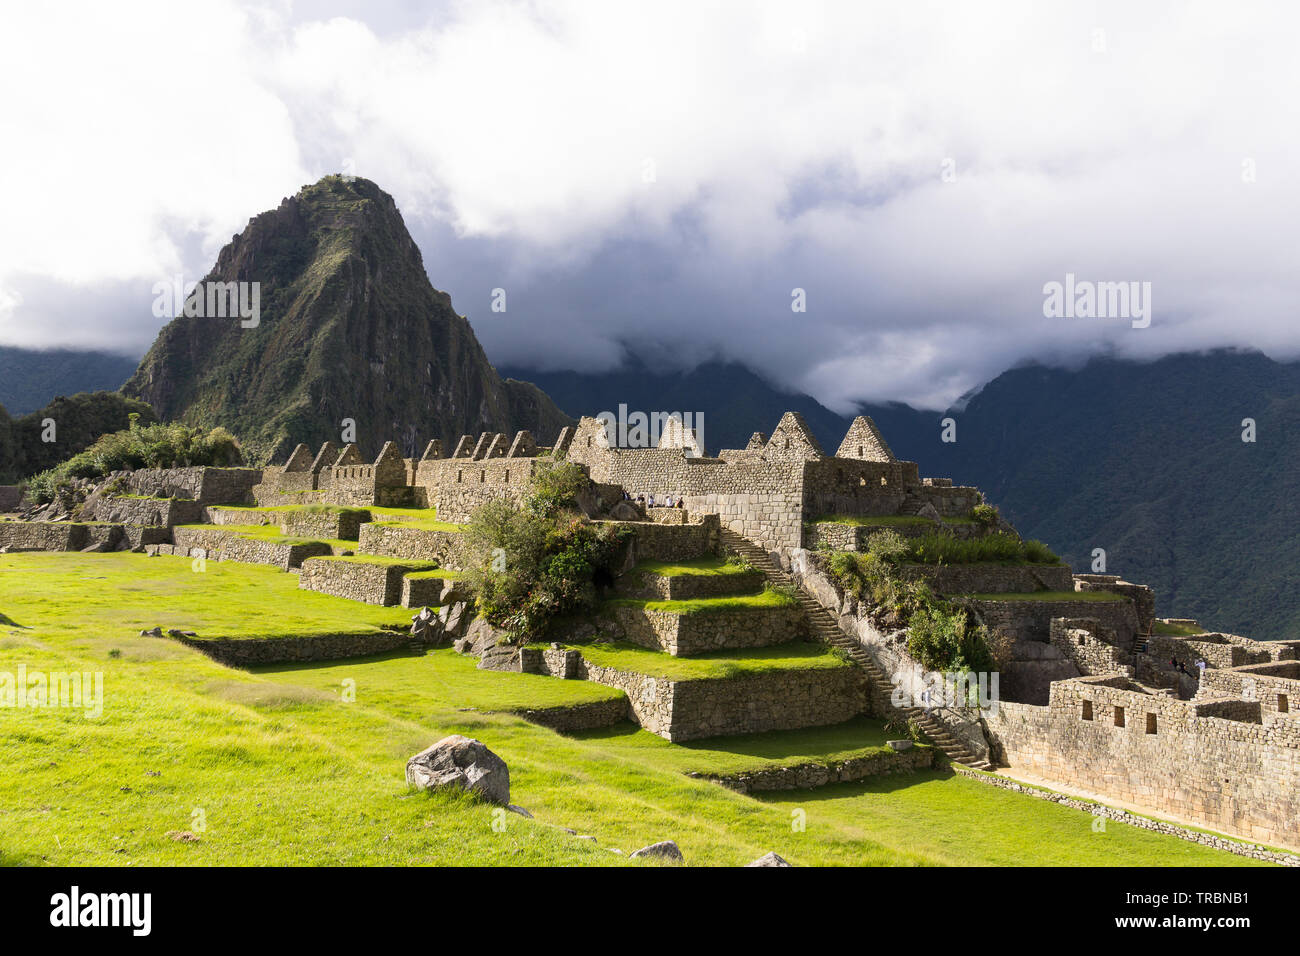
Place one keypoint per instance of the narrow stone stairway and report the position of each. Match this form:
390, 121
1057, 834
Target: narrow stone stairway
826, 629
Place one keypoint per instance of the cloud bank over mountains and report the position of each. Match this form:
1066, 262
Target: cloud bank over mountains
663, 177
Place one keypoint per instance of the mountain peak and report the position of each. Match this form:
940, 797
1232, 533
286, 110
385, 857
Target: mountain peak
349, 330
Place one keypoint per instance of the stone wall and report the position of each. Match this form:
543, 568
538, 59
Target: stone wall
163, 512
345, 525
692, 709
207, 486
1031, 620
664, 542
687, 587
42, 536
1144, 599
578, 717
396, 540
219, 544
808, 775
686, 635
369, 582
990, 578
1275, 685
1216, 761
251, 652
1090, 647
458, 487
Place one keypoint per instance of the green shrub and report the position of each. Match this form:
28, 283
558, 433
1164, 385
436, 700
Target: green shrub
984, 514
945, 639
170, 445
530, 565
999, 547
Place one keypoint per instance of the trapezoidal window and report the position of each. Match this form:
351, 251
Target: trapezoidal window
1119, 716
1283, 705
1087, 710
1151, 723
482, 476
460, 475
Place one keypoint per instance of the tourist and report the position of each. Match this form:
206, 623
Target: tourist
652, 501
679, 501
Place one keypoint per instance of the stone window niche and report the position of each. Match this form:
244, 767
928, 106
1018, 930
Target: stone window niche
1151, 723
1087, 710
1283, 705
1119, 716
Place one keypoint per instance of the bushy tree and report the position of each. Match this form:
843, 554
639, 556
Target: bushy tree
170, 445
532, 564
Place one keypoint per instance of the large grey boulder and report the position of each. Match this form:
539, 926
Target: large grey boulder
458, 761
666, 851
768, 859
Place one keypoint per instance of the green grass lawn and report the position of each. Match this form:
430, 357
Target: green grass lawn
426, 519
442, 573
1165, 629
272, 533
710, 565
738, 663
304, 764
1097, 596
766, 598
380, 559
116, 596
885, 521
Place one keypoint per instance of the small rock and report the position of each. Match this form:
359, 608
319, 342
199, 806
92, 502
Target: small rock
900, 744
156, 632
665, 850
768, 859
585, 836
183, 836
514, 808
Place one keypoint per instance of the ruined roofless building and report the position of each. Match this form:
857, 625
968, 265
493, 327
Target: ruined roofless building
765, 491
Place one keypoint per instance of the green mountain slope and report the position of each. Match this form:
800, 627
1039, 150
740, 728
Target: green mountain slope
350, 328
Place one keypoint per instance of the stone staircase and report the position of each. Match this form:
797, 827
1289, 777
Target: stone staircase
826, 629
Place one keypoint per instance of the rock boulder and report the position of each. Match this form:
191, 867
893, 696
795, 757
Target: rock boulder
458, 761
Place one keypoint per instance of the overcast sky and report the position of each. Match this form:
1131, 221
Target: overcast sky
663, 176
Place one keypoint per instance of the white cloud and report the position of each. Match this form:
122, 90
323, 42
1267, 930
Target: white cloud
791, 144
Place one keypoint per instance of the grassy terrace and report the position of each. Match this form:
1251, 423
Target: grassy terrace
411, 563
303, 509
763, 599
1091, 596
121, 594
1165, 629
442, 573
426, 519
727, 755
287, 770
885, 521
271, 533
706, 566
739, 663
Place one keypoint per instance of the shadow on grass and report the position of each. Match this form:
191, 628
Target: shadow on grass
860, 733
289, 667
884, 783
7, 621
